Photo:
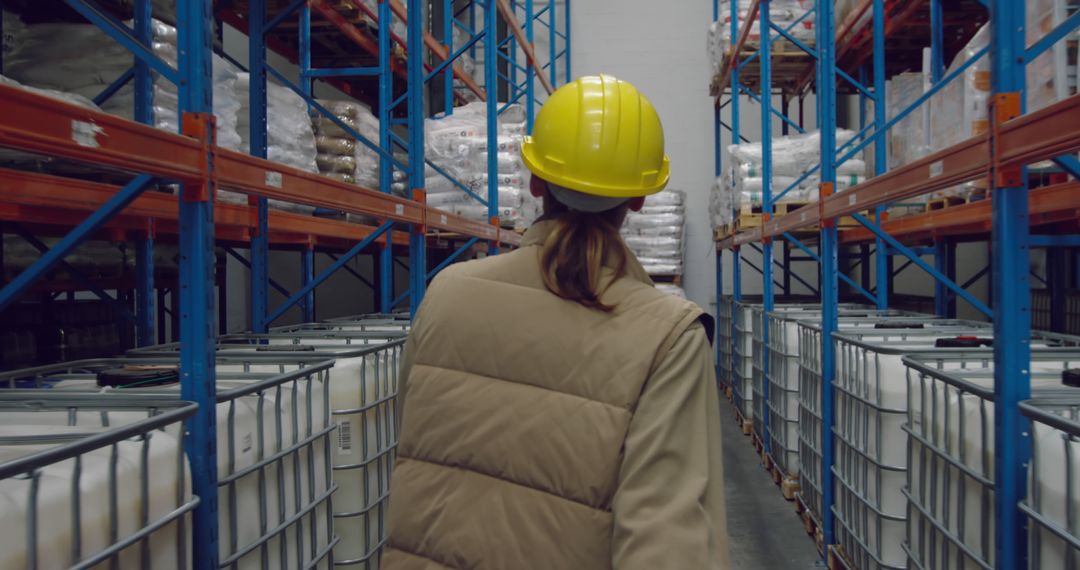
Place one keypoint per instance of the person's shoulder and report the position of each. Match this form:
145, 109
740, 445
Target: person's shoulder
490, 267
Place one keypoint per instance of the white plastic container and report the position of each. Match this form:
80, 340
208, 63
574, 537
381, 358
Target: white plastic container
363, 392
951, 458
783, 370
1053, 500
871, 395
288, 524
743, 388
725, 323
89, 493
808, 356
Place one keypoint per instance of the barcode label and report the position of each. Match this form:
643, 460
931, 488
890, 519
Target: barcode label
344, 437
399, 209
442, 219
273, 179
851, 200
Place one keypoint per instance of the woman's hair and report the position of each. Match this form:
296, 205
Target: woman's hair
579, 246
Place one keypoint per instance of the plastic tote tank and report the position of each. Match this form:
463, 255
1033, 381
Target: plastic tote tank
81, 487
274, 438
725, 321
1054, 481
783, 372
950, 484
871, 401
363, 396
808, 355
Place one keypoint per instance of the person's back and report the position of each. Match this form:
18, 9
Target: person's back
544, 431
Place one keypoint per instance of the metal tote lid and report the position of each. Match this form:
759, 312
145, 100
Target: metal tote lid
963, 342
138, 376
1071, 377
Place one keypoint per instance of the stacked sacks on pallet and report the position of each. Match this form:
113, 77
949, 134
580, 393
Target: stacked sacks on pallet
290, 139
87, 61
672, 289
792, 157
784, 13
340, 156
458, 145
655, 234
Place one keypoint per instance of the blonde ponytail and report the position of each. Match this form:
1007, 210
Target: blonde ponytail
576, 251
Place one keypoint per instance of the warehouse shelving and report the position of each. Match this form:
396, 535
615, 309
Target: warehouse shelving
122, 163
845, 55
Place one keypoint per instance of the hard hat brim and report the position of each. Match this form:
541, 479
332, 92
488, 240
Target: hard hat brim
535, 166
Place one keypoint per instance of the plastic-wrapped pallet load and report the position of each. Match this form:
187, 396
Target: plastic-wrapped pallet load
62, 459
458, 145
655, 234
960, 110
951, 474
1052, 76
784, 13
88, 60
741, 185
340, 156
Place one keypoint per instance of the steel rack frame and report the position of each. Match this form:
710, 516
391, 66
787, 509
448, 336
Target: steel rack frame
133, 158
844, 57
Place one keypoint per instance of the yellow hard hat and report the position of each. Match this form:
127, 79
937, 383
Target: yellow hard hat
599, 136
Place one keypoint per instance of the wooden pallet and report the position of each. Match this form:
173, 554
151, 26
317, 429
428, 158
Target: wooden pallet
838, 559
789, 487
943, 203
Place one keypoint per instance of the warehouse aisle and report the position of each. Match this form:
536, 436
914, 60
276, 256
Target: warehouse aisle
765, 532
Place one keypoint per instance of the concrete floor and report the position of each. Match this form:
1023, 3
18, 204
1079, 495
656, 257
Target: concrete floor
765, 532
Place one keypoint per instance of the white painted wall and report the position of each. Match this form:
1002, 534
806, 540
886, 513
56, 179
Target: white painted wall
660, 48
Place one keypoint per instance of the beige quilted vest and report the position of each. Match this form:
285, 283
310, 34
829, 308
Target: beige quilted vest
515, 413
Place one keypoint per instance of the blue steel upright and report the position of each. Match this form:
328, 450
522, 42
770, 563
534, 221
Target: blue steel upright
1011, 299
386, 165
415, 71
826, 104
530, 76
257, 142
736, 258
491, 88
448, 43
881, 252
144, 244
767, 209
197, 331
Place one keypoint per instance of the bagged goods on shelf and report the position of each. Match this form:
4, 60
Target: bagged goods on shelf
87, 60
741, 185
783, 13
655, 234
671, 289
338, 152
907, 140
458, 144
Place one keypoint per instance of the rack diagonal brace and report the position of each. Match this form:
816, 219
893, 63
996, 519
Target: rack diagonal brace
903, 250
321, 277
56, 254
124, 36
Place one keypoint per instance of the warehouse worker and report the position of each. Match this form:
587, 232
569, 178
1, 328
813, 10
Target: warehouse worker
558, 411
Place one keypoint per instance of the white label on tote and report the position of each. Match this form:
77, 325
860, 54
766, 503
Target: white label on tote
937, 168
85, 134
246, 443
273, 179
344, 437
